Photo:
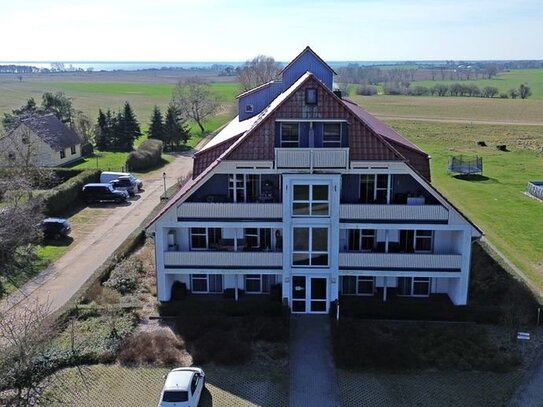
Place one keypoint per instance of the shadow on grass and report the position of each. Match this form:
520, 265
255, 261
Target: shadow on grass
475, 178
162, 163
63, 242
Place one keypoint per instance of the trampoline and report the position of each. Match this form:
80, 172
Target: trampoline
535, 188
465, 165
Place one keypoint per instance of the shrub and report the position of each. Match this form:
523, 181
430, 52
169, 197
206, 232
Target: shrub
124, 276
366, 90
60, 199
148, 154
419, 91
157, 347
504, 95
87, 149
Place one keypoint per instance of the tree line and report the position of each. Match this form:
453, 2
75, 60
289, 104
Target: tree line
455, 89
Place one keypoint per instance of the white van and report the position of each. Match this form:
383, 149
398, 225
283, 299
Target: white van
108, 176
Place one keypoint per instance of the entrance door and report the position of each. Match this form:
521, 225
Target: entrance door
309, 294
319, 299
298, 294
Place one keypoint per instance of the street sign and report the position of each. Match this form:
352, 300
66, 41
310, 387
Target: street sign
523, 336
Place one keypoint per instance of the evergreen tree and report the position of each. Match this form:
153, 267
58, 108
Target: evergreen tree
156, 126
129, 128
101, 139
176, 130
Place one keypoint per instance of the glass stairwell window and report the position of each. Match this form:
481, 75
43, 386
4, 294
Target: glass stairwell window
310, 200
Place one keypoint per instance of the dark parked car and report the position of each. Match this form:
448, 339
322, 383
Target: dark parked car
55, 228
124, 183
103, 193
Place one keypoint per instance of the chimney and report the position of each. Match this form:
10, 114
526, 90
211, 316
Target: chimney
337, 92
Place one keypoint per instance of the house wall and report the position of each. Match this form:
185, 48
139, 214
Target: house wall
259, 98
307, 61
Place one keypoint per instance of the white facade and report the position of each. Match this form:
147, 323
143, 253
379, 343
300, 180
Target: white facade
317, 246
316, 198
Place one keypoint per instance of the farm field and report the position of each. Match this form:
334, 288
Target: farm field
496, 201
91, 92
463, 109
503, 81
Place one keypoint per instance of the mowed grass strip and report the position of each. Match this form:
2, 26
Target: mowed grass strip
496, 202
496, 110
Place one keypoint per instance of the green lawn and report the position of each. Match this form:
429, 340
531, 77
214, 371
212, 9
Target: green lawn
496, 202
503, 81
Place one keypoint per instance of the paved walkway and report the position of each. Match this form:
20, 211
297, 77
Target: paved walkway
530, 392
56, 285
313, 379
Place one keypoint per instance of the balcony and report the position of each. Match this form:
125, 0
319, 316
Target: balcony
400, 260
393, 212
230, 210
256, 259
312, 158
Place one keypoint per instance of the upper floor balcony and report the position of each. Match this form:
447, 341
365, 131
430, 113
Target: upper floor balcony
383, 261
410, 213
225, 259
312, 158
228, 210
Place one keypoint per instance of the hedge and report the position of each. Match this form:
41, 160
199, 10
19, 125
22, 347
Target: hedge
148, 155
58, 200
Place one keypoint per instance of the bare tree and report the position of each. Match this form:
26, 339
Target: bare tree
195, 100
28, 361
261, 69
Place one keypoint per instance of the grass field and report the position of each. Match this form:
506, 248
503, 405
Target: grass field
528, 111
511, 220
503, 81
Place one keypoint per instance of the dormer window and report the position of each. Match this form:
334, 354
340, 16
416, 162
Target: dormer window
249, 108
311, 96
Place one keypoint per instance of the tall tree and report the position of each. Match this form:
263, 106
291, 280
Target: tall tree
259, 70
101, 139
156, 126
524, 91
194, 100
128, 128
58, 104
176, 132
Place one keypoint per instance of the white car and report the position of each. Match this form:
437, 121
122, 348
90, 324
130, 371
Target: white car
183, 387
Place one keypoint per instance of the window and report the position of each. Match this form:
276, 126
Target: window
204, 238
244, 187
258, 283
423, 241
206, 283
331, 136
72, 150
311, 96
259, 239
357, 285
289, 135
361, 240
62, 154
249, 108
310, 200
374, 188
310, 247
414, 286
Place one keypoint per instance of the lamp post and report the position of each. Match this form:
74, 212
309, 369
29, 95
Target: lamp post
164, 180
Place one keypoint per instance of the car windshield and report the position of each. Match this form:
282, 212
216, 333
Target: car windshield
175, 396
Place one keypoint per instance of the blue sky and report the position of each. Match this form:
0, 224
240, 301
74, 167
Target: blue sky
237, 30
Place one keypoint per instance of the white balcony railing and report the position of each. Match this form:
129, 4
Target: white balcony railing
311, 157
393, 212
400, 260
230, 210
223, 259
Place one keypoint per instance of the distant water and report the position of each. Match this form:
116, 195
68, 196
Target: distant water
138, 66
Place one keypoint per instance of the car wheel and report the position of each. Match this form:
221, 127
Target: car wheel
118, 200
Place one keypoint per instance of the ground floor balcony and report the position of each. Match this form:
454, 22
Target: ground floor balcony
216, 210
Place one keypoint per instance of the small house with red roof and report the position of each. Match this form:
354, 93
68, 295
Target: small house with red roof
307, 194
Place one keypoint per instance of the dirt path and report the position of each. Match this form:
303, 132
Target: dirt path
456, 120
59, 282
